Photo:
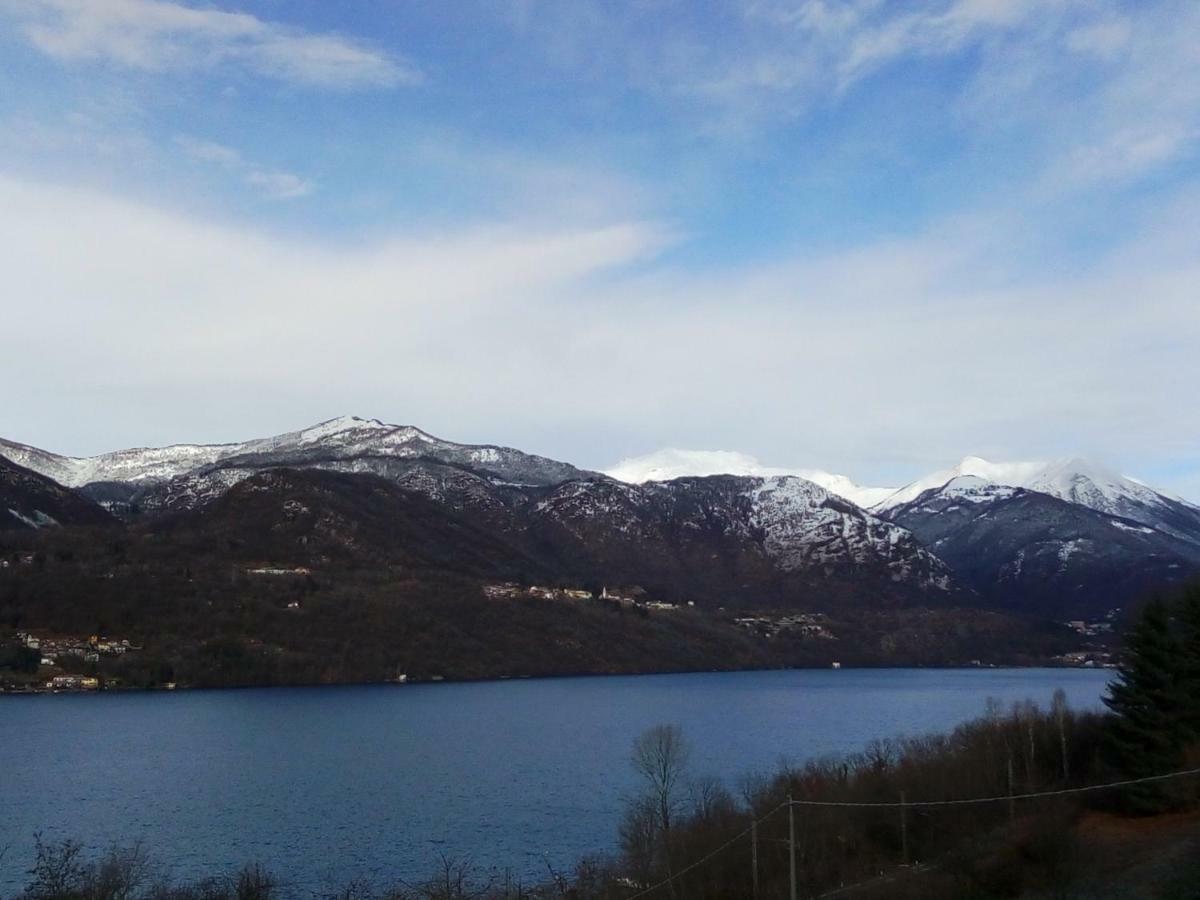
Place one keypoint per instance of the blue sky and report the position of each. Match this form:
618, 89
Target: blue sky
864, 236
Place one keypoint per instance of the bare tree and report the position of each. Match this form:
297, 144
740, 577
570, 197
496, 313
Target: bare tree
660, 756
120, 875
1058, 708
57, 871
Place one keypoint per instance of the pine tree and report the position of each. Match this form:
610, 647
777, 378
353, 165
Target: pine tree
1189, 663
1147, 734
1189, 682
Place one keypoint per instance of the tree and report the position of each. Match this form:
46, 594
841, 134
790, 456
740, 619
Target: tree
660, 756
1060, 710
1189, 679
1189, 662
1146, 736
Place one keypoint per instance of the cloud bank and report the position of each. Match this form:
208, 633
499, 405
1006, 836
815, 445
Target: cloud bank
156, 327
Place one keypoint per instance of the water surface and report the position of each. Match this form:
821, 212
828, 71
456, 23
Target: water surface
326, 784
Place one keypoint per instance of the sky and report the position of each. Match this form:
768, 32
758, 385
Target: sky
863, 236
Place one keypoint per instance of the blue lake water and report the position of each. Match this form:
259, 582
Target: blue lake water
327, 784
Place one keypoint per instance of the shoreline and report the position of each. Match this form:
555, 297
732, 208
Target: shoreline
429, 682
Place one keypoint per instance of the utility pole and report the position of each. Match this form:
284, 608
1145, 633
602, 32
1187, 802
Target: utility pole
792, 844
904, 827
754, 855
1012, 808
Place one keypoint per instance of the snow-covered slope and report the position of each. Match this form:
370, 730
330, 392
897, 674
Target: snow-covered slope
1013, 474
344, 438
801, 527
670, 463
1074, 480
31, 500
747, 531
1024, 547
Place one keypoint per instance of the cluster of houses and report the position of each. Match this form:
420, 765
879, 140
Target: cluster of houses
73, 683
279, 570
89, 649
809, 625
511, 591
1087, 659
1091, 629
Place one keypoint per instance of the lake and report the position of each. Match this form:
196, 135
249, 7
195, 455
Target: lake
330, 783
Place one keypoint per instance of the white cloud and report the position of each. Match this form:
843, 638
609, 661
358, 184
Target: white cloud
1127, 154
271, 182
208, 151
282, 185
930, 31
161, 36
1086, 89
1104, 40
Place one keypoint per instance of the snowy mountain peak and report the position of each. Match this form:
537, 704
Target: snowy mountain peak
671, 463
1074, 479
348, 441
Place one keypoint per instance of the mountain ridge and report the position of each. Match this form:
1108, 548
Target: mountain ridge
766, 535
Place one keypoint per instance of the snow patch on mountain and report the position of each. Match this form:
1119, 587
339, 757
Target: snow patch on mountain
343, 438
803, 529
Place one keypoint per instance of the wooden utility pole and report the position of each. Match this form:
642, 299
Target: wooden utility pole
904, 827
754, 855
1012, 806
792, 845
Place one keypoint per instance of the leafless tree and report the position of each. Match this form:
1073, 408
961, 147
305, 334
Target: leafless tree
57, 869
120, 875
1058, 708
660, 756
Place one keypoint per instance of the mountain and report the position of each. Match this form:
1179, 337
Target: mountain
30, 500
671, 463
1075, 481
718, 540
779, 541
1031, 550
354, 549
346, 443
1032, 536
317, 518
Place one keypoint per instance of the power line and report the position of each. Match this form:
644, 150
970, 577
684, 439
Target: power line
789, 803
1001, 799
725, 846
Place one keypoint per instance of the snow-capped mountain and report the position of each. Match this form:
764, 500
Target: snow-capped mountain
1073, 480
718, 526
343, 439
803, 524
769, 539
1027, 548
671, 463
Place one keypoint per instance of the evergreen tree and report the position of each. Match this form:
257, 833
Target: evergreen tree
1147, 734
1189, 681
1189, 664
